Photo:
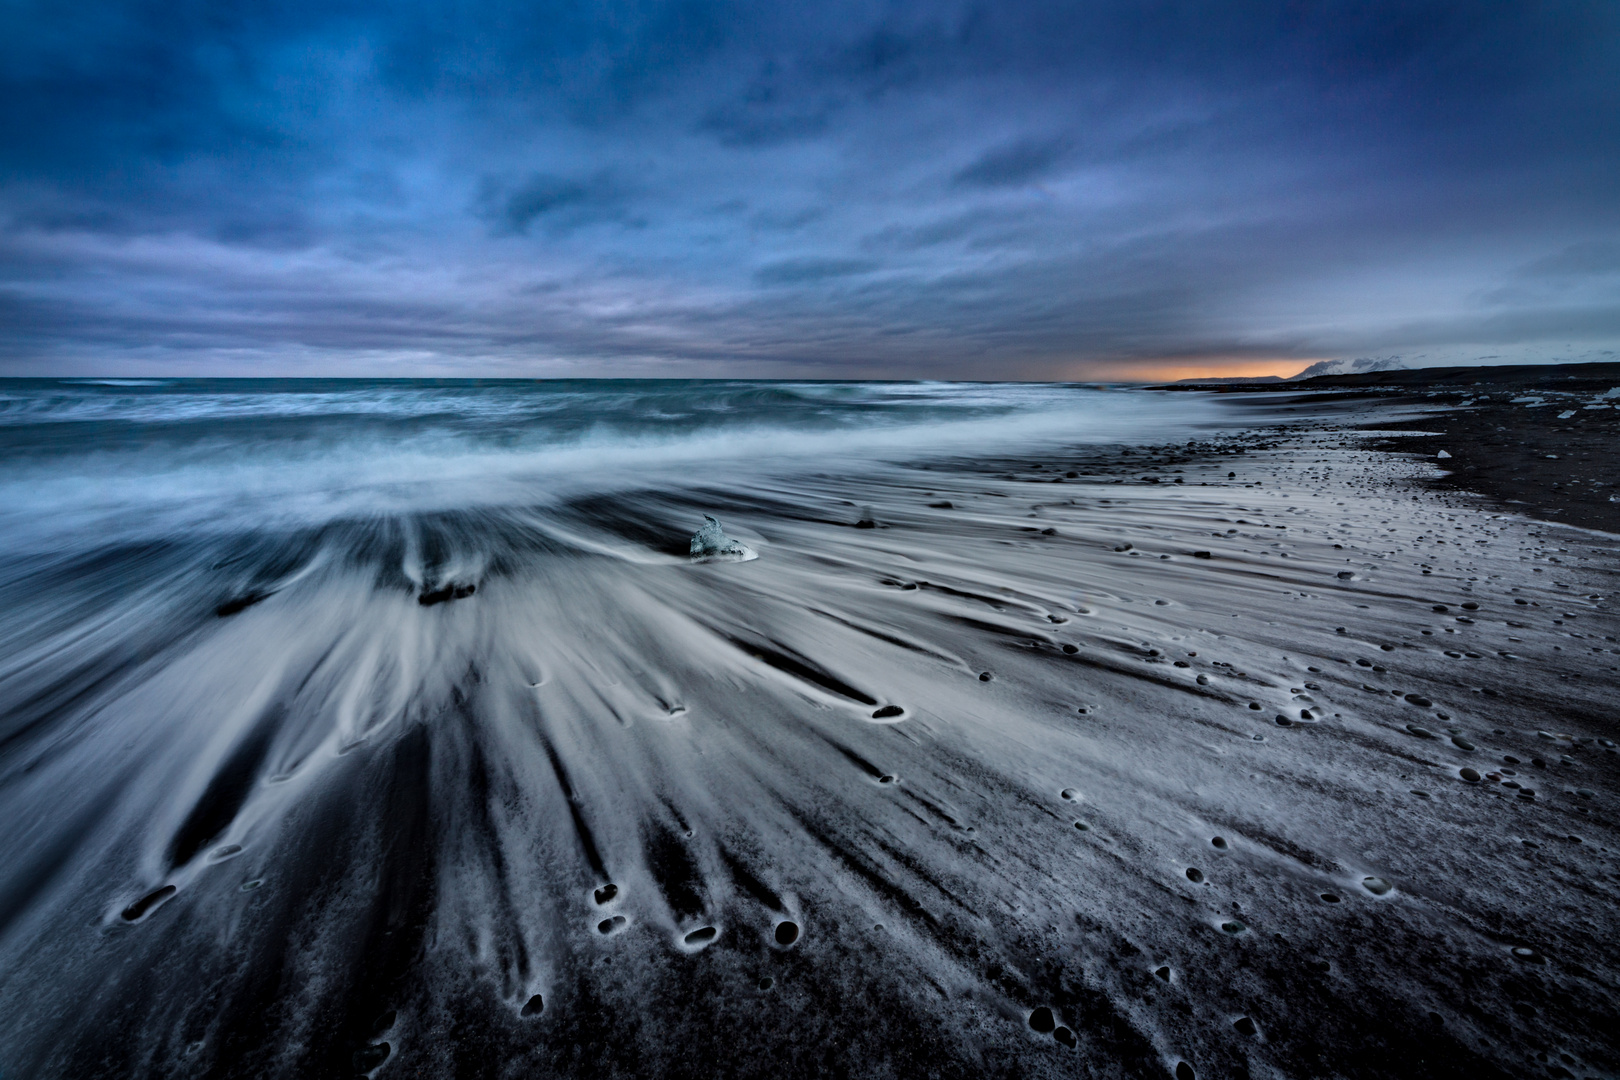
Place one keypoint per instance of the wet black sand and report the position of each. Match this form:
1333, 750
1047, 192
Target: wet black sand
1257, 754
1552, 456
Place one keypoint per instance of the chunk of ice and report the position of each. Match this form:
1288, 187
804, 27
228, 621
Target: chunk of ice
711, 544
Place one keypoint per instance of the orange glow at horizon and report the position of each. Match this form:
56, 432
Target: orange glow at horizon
1175, 371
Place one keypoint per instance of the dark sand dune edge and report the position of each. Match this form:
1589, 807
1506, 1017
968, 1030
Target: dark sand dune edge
1304, 770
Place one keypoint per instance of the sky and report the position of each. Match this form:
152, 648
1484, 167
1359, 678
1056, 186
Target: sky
840, 190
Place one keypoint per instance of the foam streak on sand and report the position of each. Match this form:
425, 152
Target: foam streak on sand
1096, 777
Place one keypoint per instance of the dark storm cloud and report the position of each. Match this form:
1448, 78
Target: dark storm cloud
941, 188
1018, 163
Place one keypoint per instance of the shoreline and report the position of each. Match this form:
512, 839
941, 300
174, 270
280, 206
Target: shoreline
1557, 459
1245, 753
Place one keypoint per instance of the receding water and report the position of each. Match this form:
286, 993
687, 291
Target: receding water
391, 728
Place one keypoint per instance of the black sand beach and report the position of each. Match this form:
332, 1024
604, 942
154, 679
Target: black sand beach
1268, 751
1543, 439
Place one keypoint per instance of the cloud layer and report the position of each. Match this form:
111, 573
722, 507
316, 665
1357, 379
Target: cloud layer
1014, 190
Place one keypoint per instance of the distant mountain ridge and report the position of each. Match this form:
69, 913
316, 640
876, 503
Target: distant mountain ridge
1359, 366
1350, 367
1596, 376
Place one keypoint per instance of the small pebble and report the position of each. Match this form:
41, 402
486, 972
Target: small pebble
1375, 885
1220, 842
1194, 875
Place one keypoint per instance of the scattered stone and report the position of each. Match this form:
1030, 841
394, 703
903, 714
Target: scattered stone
1461, 743
701, 936
148, 902
1419, 700
1244, 1026
888, 711
446, 593
606, 893
1376, 885
1066, 1037
1195, 875
1470, 775
534, 1006
787, 933
1219, 841
1041, 1020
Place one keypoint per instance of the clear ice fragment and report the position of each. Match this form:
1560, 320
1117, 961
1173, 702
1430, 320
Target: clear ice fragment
711, 544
